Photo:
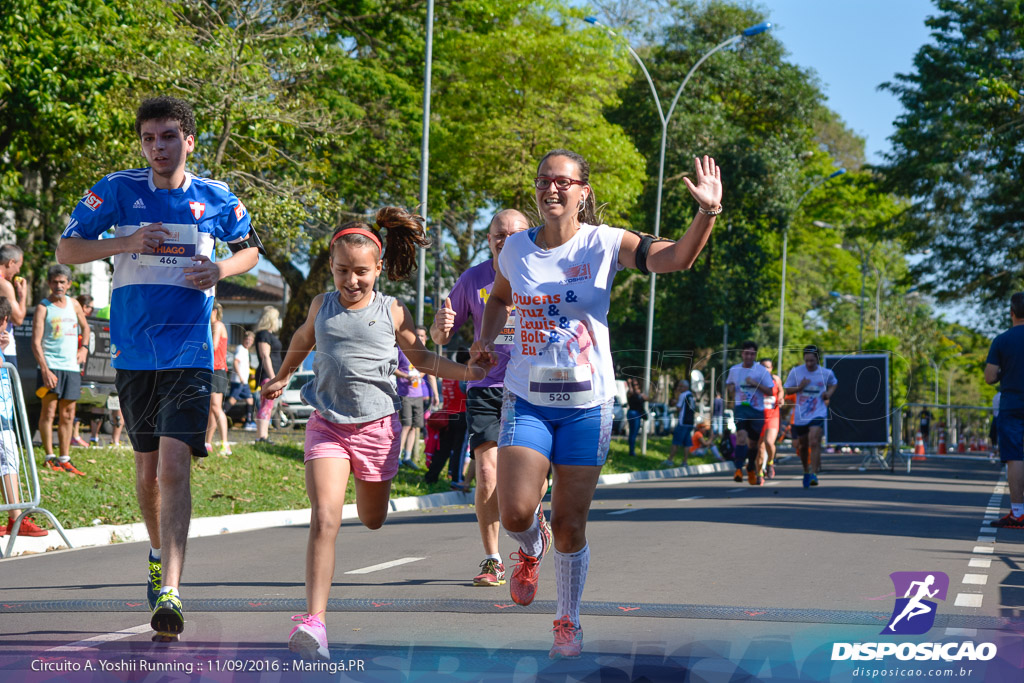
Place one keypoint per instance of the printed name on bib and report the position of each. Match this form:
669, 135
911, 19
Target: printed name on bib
177, 249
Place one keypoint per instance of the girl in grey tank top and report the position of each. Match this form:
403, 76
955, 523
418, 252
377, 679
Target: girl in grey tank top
355, 427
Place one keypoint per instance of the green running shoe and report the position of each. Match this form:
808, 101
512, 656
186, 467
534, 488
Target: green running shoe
167, 618
155, 582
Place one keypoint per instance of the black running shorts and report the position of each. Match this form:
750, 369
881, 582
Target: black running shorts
483, 408
173, 403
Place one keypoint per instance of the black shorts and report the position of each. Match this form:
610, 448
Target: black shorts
173, 403
220, 382
69, 384
483, 409
412, 411
753, 426
803, 430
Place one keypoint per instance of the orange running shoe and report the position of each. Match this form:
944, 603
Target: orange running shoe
752, 477
523, 586
52, 465
68, 467
568, 639
738, 477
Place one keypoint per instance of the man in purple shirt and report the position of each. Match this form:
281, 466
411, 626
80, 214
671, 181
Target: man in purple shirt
483, 398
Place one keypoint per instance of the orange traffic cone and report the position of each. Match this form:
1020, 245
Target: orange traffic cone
942, 442
919, 447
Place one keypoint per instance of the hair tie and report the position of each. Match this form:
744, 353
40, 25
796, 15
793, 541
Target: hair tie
359, 231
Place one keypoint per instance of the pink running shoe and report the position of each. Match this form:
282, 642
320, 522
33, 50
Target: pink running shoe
309, 639
568, 639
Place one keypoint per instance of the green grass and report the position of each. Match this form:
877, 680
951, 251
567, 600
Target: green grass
254, 478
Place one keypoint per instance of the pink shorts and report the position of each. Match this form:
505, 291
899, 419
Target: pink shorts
370, 447
266, 409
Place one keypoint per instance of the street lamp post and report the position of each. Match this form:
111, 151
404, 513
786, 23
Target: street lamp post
421, 265
665, 118
785, 249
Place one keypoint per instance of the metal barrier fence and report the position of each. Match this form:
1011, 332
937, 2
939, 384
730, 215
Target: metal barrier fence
18, 463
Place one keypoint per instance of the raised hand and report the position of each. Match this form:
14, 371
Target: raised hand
708, 190
444, 321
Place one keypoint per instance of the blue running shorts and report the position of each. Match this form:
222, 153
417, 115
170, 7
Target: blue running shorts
565, 436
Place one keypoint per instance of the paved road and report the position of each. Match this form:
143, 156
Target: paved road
695, 577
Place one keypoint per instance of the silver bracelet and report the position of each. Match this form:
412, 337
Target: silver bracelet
712, 212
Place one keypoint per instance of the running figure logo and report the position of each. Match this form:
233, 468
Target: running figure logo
915, 587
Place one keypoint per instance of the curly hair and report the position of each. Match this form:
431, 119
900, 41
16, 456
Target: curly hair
169, 108
402, 233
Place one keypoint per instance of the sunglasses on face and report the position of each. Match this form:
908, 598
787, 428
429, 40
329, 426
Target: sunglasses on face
543, 182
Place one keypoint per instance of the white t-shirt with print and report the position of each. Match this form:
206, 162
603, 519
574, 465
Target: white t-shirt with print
746, 394
562, 297
809, 404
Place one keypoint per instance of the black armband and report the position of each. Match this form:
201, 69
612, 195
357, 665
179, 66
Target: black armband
251, 240
645, 246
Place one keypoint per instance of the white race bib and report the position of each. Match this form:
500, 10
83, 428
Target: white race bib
508, 332
176, 251
561, 387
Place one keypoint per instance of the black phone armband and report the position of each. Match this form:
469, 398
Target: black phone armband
643, 248
251, 240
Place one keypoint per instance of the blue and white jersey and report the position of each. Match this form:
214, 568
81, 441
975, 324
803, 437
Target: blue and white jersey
162, 320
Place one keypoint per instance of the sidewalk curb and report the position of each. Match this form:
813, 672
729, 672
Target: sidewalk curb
108, 534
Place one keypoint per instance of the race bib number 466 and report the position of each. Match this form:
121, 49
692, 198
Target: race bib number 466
177, 250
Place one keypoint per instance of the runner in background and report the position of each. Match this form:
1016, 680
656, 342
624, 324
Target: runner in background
772, 408
13, 288
468, 299
813, 386
748, 383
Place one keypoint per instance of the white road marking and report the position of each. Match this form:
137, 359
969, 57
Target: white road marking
735, 490
102, 638
976, 579
980, 562
986, 539
691, 498
968, 600
983, 550
625, 511
987, 530
385, 565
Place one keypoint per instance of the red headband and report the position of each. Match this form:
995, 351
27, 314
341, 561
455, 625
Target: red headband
358, 231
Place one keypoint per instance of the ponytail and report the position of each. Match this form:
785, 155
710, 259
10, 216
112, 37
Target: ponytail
402, 233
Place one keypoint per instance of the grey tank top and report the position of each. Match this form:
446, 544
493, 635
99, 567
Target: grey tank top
355, 361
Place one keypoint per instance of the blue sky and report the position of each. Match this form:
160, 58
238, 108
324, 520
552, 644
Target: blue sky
854, 45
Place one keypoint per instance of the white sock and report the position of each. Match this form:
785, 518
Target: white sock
494, 556
1017, 509
530, 541
570, 576
51, 456
154, 553
170, 589
65, 458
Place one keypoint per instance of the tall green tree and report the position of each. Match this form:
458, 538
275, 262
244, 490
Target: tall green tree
957, 151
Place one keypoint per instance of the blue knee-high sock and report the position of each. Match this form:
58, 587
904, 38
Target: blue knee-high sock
741, 455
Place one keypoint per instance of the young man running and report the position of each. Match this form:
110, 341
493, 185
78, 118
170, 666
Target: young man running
165, 221
772, 408
1005, 365
483, 399
748, 383
813, 386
